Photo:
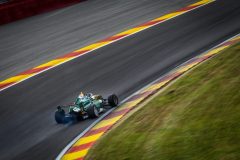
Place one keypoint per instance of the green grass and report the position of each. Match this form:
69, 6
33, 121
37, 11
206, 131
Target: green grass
197, 118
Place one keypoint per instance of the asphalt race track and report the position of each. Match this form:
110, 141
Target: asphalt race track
33, 41
28, 130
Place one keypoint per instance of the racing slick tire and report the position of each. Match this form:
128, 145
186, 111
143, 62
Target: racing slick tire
60, 116
92, 111
113, 100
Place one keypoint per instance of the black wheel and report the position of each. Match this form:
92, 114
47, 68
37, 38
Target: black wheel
113, 100
92, 111
60, 116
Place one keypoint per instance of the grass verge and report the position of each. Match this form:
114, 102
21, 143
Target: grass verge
196, 118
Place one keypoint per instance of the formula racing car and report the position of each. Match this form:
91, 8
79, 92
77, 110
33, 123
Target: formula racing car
85, 106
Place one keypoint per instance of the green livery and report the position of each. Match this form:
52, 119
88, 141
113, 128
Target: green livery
85, 106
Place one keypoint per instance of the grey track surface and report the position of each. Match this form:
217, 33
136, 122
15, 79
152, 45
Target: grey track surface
28, 130
27, 43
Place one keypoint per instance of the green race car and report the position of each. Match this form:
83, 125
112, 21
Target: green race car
85, 106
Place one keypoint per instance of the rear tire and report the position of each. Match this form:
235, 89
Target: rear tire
60, 116
92, 111
113, 100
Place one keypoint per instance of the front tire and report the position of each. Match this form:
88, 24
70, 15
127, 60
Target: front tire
92, 111
113, 100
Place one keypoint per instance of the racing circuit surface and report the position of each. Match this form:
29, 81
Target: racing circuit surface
28, 129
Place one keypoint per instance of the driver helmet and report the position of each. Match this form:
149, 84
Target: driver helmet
81, 95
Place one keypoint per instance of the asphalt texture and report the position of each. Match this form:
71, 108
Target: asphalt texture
30, 42
28, 130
